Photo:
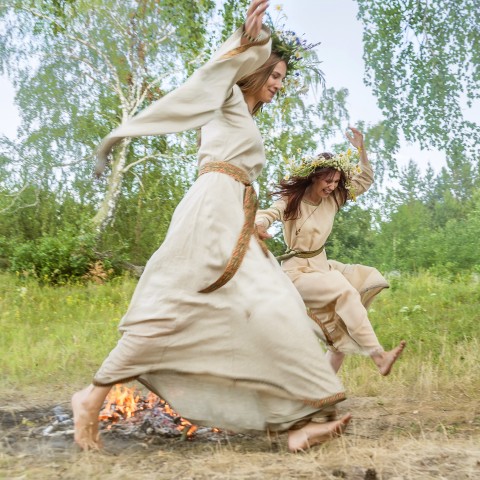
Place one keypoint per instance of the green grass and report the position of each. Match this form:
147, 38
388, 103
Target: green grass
57, 335
439, 319
421, 422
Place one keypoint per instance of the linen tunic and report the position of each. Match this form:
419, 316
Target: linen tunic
233, 358
337, 294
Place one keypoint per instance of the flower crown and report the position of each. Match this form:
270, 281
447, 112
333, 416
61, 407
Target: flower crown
299, 55
293, 49
347, 162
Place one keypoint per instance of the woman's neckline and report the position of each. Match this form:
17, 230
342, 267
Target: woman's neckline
308, 202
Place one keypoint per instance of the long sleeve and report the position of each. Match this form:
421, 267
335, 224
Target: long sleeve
363, 180
193, 104
265, 218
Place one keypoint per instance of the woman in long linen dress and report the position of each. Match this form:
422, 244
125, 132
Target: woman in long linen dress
336, 294
226, 352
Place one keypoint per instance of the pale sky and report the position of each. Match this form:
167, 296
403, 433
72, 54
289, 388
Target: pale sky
334, 24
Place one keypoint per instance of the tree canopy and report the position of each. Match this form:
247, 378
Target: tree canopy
80, 68
423, 63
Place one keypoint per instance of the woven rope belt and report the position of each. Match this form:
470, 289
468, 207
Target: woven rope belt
328, 338
301, 254
250, 204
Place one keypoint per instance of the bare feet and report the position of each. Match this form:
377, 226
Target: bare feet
85, 420
316, 433
385, 360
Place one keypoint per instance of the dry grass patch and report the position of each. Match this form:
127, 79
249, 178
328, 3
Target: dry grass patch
389, 438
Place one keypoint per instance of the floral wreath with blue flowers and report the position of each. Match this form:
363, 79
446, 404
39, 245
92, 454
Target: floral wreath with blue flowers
300, 56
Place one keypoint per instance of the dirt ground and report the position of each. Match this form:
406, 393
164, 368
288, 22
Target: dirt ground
389, 438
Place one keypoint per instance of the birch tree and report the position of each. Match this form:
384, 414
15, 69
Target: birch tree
80, 76
80, 68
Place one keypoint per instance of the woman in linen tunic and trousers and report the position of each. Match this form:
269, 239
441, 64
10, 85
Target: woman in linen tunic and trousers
230, 355
336, 294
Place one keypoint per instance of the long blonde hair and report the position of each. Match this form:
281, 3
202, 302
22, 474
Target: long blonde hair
251, 84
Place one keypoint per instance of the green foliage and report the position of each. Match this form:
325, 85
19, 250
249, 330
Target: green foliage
427, 222
457, 242
47, 329
352, 236
77, 83
428, 225
276, 245
291, 125
233, 15
55, 260
423, 63
40, 219
144, 211
405, 242
80, 68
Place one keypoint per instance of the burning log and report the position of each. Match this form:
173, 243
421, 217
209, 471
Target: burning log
126, 403
129, 413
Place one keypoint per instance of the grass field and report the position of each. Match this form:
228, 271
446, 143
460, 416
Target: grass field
422, 421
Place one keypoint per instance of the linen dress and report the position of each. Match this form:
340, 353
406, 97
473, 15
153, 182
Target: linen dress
235, 357
337, 294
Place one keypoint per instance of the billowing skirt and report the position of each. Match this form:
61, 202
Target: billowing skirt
337, 296
243, 357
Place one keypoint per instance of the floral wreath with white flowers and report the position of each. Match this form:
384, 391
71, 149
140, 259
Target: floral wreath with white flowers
347, 162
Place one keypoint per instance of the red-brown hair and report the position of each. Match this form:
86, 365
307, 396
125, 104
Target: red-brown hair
293, 189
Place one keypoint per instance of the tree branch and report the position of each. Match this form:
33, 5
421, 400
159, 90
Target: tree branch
143, 159
108, 64
92, 67
16, 196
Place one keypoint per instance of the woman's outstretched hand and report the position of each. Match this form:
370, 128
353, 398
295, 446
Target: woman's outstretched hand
262, 232
254, 19
355, 137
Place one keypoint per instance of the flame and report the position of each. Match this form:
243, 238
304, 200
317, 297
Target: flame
124, 402
121, 402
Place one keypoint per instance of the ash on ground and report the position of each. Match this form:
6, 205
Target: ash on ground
152, 423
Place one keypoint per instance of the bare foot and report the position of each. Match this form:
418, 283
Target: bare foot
385, 360
316, 433
85, 421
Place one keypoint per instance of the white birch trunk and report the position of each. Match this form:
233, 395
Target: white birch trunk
106, 212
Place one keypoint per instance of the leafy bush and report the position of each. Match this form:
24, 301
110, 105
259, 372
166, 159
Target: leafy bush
4, 253
55, 259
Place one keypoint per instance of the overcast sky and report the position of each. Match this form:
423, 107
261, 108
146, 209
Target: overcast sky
334, 24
